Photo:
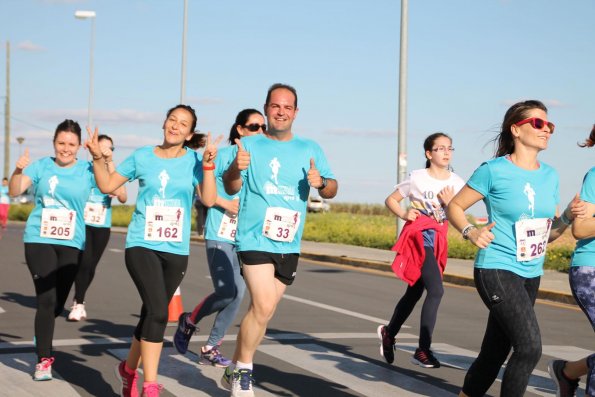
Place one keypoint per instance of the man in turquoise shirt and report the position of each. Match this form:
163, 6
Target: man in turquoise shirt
278, 168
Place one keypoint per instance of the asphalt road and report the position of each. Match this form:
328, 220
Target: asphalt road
321, 342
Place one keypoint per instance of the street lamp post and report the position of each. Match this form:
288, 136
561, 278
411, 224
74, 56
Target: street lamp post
185, 27
402, 145
89, 15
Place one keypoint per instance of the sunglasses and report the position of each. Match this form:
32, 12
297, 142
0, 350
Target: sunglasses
537, 123
255, 127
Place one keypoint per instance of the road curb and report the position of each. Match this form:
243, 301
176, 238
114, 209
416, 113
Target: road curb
554, 296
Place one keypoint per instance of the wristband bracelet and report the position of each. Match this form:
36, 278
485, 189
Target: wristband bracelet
565, 219
208, 168
466, 231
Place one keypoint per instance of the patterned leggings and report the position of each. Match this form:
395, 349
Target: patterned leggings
582, 284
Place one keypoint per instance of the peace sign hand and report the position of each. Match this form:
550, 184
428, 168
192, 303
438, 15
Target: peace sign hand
92, 144
210, 152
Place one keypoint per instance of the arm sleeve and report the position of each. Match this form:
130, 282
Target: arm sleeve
588, 188
127, 168
481, 180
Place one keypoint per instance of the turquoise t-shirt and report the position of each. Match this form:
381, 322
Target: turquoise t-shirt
55, 187
164, 185
215, 214
4, 197
276, 178
512, 194
105, 200
584, 253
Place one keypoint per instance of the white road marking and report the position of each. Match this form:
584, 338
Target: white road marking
335, 309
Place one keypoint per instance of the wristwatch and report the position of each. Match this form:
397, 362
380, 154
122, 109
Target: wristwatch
324, 182
466, 231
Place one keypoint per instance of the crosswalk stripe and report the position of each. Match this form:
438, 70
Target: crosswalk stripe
16, 371
2, 310
335, 309
352, 373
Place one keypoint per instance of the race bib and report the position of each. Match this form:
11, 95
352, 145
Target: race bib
4, 200
95, 213
281, 224
164, 223
531, 238
228, 226
58, 223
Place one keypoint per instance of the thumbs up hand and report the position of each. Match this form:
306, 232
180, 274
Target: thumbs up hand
24, 160
242, 157
314, 178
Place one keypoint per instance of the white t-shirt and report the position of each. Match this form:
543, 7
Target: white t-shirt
422, 189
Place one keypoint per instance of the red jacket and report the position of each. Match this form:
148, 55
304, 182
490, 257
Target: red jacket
410, 248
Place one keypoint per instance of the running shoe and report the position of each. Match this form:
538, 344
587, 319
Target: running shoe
184, 333
241, 383
152, 389
77, 312
565, 387
425, 358
43, 369
226, 378
129, 381
213, 357
387, 344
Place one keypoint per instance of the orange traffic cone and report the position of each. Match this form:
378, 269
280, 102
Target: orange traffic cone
175, 307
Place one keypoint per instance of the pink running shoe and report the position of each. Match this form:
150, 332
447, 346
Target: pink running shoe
129, 385
152, 389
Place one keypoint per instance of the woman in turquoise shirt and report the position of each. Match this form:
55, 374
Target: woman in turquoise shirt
158, 239
521, 197
582, 283
55, 232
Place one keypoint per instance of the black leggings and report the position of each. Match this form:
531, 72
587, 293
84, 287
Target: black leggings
156, 275
431, 280
53, 268
95, 243
511, 323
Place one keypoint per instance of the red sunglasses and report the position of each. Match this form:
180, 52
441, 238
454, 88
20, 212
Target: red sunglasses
537, 123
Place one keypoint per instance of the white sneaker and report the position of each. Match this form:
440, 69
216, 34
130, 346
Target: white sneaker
77, 312
241, 383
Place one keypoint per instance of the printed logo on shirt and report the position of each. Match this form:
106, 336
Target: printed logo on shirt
272, 186
530, 193
164, 178
50, 201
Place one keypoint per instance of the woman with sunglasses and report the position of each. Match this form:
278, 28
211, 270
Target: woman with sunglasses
567, 374
98, 223
55, 232
221, 255
429, 190
521, 195
158, 239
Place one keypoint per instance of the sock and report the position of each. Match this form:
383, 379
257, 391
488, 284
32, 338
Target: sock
206, 348
129, 371
241, 365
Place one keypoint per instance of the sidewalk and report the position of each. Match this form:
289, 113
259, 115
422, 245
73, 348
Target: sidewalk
554, 285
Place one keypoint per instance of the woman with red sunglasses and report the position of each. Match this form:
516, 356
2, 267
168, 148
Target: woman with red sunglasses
566, 374
521, 195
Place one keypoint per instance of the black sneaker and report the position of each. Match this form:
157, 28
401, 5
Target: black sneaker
387, 344
425, 358
565, 386
183, 333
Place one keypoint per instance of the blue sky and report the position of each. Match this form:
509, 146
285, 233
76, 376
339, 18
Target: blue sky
468, 62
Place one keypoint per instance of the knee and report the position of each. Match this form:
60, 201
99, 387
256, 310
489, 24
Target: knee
263, 311
529, 352
436, 293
